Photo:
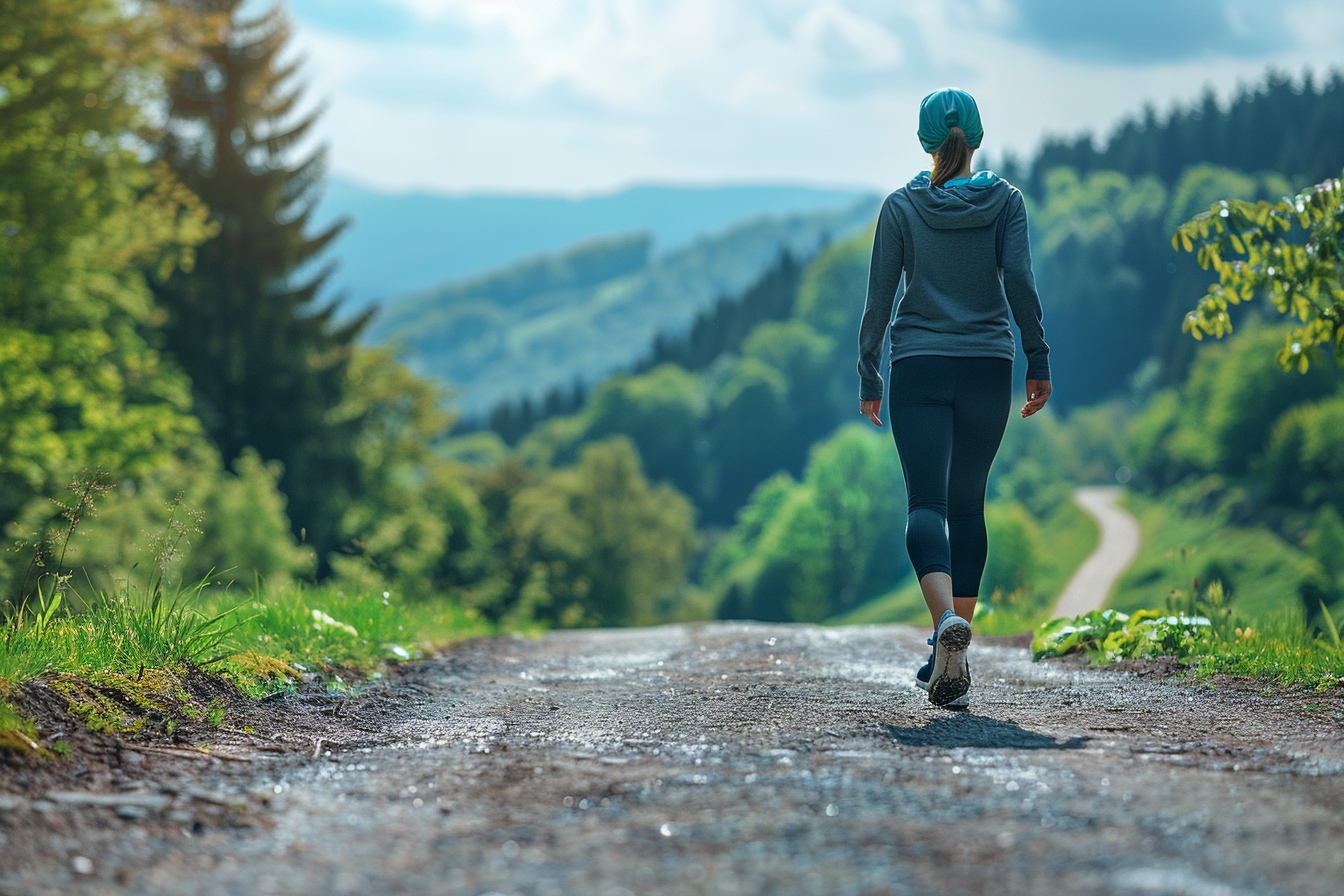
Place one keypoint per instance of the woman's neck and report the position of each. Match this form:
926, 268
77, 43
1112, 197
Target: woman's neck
965, 170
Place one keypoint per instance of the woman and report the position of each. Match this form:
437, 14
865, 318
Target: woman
961, 244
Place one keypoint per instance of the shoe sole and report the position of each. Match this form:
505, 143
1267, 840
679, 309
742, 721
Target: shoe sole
962, 702
950, 677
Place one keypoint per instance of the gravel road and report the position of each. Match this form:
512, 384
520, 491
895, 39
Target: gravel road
725, 759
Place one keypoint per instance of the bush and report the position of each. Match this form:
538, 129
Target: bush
804, 551
232, 527
1010, 567
592, 544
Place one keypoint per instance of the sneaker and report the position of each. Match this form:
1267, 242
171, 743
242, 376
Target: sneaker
922, 676
922, 681
949, 675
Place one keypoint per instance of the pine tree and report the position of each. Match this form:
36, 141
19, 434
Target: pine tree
267, 363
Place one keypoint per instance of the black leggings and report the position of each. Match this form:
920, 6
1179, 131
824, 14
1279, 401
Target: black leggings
948, 416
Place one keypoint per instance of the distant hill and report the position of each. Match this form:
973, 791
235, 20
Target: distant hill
412, 241
578, 315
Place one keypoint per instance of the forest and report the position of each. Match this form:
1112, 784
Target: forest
182, 407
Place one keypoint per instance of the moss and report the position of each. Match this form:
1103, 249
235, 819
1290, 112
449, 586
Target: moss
110, 703
97, 707
18, 733
257, 674
215, 714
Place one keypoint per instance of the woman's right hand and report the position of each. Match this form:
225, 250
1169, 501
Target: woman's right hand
1038, 393
872, 410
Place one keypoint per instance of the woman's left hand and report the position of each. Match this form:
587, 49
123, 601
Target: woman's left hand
872, 410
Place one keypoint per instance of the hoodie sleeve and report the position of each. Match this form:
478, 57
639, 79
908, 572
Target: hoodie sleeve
884, 276
1020, 286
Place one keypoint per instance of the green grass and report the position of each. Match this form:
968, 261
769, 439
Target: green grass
122, 632
1252, 625
139, 644
1208, 637
326, 627
1259, 570
1280, 647
1067, 536
904, 605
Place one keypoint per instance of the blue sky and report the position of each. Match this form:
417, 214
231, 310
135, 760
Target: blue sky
582, 96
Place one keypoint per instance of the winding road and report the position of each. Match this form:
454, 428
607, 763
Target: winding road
1116, 548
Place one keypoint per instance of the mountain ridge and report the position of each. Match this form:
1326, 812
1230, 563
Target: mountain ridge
406, 242
488, 344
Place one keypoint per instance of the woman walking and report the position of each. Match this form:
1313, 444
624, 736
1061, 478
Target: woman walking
959, 244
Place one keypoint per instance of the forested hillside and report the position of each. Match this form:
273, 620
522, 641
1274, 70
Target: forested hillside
1281, 125
401, 243
550, 321
1102, 219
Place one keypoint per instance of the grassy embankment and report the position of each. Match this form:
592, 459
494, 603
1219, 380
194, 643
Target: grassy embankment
1259, 570
1070, 534
124, 660
1221, 597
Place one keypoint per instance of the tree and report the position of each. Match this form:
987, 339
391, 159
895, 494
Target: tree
1302, 271
805, 551
83, 218
1296, 129
602, 545
414, 523
267, 365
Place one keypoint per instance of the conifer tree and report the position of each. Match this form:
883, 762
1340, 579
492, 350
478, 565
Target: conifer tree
267, 362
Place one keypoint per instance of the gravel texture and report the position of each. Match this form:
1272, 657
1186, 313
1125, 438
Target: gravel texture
718, 758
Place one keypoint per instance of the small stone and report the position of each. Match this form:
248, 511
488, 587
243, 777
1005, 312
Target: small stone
44, 806
82, 864
181, 816
130, 757
132, 813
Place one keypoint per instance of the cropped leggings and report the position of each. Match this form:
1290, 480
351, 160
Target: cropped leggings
948, 416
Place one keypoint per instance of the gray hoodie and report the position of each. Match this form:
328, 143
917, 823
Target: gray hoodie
966, 260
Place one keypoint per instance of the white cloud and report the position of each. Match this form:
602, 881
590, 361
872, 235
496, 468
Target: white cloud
582, 95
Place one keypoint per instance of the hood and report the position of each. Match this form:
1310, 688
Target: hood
975, 203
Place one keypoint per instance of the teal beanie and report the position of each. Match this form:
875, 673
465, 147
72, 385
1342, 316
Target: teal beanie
945, 109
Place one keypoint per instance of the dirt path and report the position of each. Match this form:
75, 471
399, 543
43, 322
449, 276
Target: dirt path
720, 759
1116, 549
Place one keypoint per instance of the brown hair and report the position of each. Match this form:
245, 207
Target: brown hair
951, 157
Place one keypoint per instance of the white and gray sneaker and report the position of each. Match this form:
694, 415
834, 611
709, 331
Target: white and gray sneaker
922, 681
949, 671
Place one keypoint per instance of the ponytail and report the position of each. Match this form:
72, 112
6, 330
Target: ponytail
952, 156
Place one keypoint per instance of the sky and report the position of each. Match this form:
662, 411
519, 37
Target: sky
588, 96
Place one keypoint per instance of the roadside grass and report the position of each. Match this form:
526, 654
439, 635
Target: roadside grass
128, 658
1067, 536
1202, 631
903, 605
1260, 572
281, 635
